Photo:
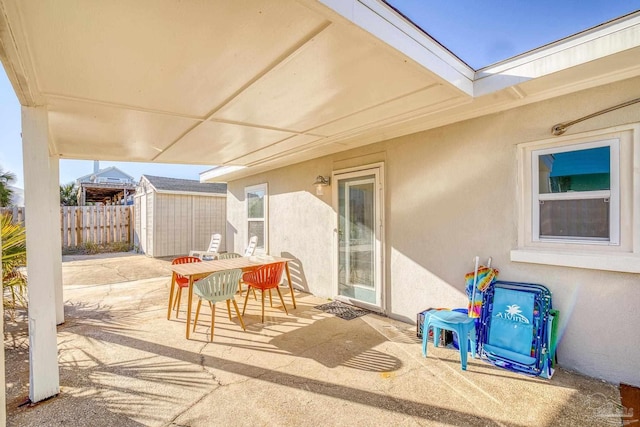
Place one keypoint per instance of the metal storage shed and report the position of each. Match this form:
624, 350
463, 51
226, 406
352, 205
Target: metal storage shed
174, 216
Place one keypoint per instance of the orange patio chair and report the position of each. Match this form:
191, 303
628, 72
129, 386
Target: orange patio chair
181, 282
264, 278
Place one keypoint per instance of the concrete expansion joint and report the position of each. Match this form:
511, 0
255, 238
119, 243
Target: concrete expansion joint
204, 367
187, 408
117, 271
204, 395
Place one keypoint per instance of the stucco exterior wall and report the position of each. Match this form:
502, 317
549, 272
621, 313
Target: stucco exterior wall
300, 224
451, 194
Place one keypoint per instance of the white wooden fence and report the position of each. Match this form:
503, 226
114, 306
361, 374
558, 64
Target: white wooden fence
89, 224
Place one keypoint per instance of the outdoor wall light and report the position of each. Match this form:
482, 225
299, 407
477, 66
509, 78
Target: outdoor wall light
321, 182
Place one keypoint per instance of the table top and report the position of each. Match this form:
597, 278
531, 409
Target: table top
208, 267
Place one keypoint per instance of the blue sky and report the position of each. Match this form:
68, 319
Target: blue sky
479, 32
483, 32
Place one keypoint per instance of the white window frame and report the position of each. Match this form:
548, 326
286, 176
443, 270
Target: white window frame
613, 194
253, 188
621, 252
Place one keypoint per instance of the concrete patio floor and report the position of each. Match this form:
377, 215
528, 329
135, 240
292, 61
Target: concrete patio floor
122, 363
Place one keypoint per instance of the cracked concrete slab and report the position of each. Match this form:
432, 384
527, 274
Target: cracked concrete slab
123, 363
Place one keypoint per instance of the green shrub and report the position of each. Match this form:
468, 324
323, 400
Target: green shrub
14, 259
90, 248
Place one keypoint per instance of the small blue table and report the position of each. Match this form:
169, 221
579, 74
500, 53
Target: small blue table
454, 321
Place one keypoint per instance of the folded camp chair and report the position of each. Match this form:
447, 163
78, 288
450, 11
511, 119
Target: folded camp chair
212, 250
218, 286
515, 328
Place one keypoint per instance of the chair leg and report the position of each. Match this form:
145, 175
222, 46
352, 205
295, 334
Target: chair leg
229, 309
245, 301
282, 300
254, 294
178, 302
425, 338
175, 299
213, 319
270, 299
240, 288
262, 294
195, 321
235, 305
171, 292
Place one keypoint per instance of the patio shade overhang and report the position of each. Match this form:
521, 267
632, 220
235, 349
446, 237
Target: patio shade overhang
251, 86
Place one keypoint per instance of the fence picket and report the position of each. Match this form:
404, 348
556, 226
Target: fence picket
90, 224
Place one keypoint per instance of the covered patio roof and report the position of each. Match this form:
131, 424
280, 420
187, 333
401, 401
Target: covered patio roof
265, 84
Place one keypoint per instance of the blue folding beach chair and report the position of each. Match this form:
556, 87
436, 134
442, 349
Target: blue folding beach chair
515, 328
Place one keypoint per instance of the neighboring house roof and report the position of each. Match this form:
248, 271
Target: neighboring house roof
110, 171
177, 185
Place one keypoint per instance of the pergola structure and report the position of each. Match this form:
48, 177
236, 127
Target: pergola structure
246, 87
104, 192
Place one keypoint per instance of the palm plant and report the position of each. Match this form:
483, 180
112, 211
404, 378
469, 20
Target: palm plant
14, 258
6, 193
69, 195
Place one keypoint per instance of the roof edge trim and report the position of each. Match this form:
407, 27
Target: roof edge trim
218, 171
190, 193
601, 41
387, 25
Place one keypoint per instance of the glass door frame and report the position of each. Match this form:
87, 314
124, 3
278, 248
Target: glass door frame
377, 170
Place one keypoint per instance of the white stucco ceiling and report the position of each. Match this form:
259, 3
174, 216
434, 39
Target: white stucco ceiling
263, 83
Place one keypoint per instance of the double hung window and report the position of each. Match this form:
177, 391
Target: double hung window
257, 215
579, 200
576, 193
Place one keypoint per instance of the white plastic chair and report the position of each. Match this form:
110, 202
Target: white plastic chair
217, 287
251, 248
212, 250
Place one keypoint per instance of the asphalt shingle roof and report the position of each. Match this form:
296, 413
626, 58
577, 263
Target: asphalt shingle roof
177, 184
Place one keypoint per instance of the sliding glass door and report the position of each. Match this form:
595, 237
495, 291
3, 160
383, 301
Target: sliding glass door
359, 237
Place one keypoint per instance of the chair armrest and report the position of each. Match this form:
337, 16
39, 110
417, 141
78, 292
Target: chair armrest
248, 276
204, 254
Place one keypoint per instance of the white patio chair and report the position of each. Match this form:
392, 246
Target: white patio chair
251, 248
212, 250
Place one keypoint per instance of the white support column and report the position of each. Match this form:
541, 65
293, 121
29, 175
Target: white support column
54, 180
43, 241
